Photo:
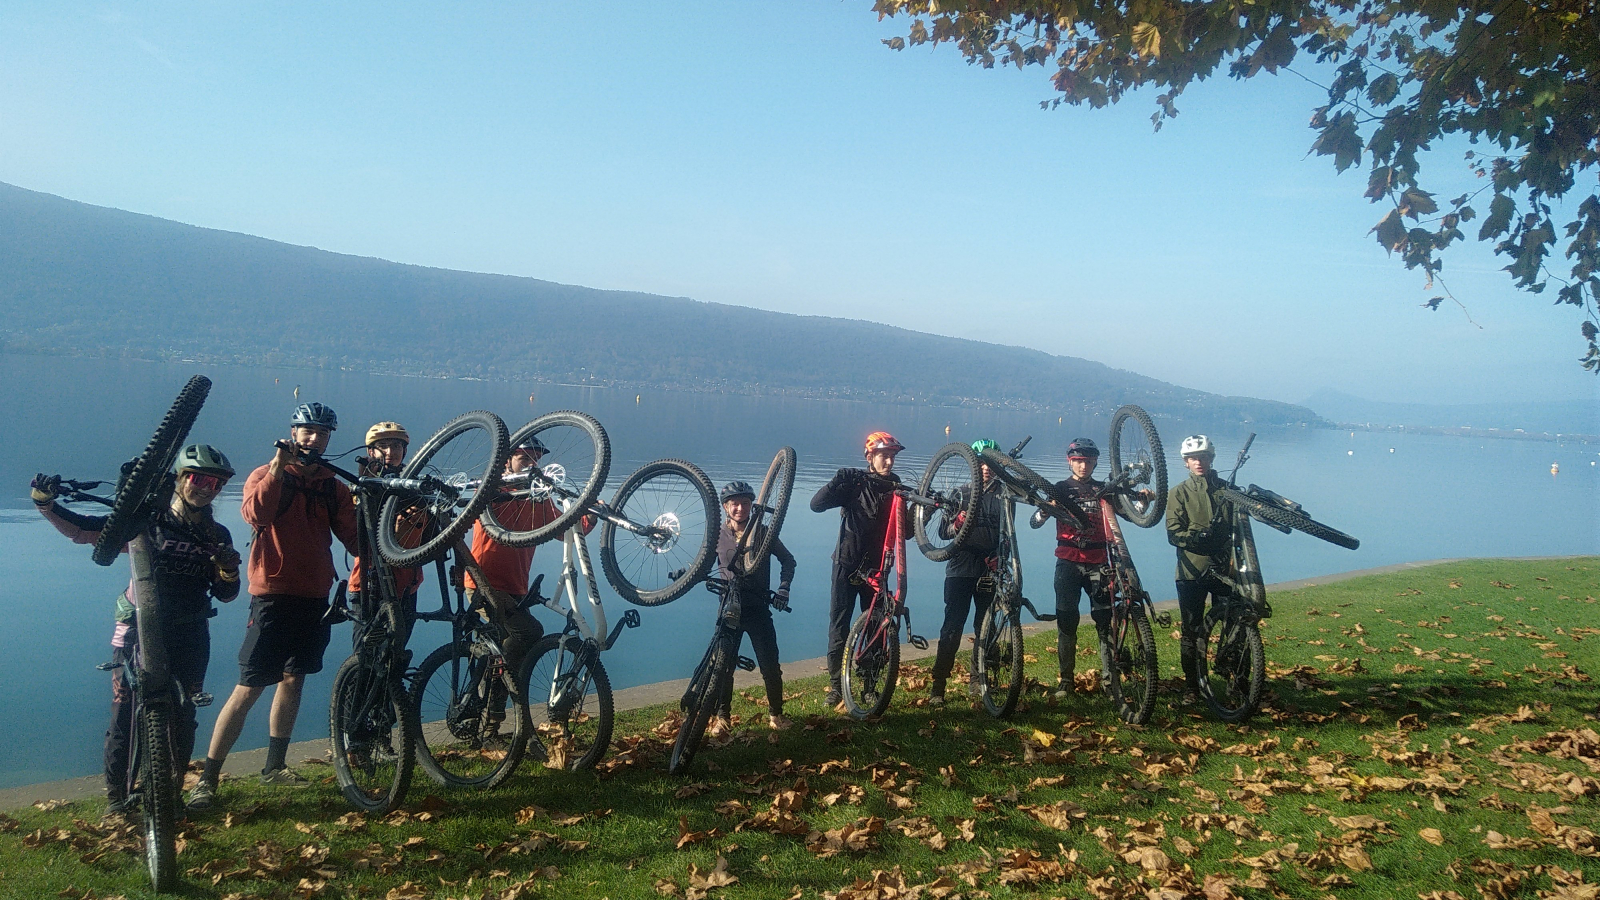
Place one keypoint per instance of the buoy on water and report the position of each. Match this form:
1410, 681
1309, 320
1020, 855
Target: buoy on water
1391, 449
947, 432
1349, 453
530, 399
297, 392
1555, 468
636, 400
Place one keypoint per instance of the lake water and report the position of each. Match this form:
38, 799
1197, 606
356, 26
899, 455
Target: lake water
1407, 497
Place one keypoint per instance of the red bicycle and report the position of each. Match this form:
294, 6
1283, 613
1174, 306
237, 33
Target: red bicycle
872, 648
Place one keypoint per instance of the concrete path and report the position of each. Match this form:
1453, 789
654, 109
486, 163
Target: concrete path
249, 762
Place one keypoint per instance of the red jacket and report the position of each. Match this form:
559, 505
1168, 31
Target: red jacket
296, 516
505, 567
406, 581
1089, 546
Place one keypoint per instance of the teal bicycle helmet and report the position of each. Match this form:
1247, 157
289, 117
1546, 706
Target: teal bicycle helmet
205, 459
983, 444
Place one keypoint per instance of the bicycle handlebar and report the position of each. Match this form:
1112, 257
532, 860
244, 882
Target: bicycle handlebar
1244, 454
905, 492
1016, 452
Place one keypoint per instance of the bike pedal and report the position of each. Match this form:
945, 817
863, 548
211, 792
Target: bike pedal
202, 700
747, 664
1164, 619
918, 641
108, 666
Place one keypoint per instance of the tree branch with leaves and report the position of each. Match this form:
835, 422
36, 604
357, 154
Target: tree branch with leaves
1516, 79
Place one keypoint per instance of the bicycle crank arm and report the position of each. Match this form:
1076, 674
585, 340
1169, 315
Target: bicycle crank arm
1042, 617
630, 619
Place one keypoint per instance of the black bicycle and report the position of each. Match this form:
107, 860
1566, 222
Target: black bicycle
154, 777
418, 516
1233, 666
712, 678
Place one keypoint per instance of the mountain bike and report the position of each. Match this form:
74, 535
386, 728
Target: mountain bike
154, 777
872, 647
1233, 664
658, 537
403, 520
712, 677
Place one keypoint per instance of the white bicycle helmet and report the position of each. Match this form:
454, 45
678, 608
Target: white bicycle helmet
1198, 445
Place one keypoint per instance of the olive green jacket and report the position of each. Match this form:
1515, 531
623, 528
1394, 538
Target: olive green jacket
1200, 525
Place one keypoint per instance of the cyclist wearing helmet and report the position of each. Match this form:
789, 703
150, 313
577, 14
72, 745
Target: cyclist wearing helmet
297, 509
755, 614
1200, 525
194, 561
863, 504
1080, 559
386, 455
968, 575
506, 568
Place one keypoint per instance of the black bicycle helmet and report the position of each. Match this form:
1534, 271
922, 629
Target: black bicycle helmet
737, 489
315, 415
205, 459
1083, 448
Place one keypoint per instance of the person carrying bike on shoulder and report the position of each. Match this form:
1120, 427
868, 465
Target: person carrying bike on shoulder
194, 562
296, 509
863, 505
968, 574
1200, 526
755, 613
1080, 559
386, 455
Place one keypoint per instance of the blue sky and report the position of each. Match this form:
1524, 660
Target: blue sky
774, 155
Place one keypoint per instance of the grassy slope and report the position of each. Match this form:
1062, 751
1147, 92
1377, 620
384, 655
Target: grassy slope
1396, 697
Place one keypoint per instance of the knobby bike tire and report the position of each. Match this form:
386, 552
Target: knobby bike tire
354, 726
1233, 680
1128, 659
580, 668
870, 672
921, 516
159, 800
997, 658
599, 470
1271, 512
1127, 507
142, 488
700, 703
451, 701
774, 498
675, 571
1033, 486
449, 525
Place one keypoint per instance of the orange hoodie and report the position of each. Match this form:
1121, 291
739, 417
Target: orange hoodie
505, 567
296, 517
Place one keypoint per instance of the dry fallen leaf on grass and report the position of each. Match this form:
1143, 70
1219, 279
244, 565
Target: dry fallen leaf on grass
1432, 836
857, 837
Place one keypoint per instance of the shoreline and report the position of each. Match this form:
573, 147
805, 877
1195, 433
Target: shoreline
246, 763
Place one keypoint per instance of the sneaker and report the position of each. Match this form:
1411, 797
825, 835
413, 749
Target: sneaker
1063, 687
1190, 697
779, 722
833, 697
936, 699
117, 805
202, 798
283, 778
972, 689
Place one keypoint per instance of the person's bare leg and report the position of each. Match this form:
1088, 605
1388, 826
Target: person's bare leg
285, 706
230, 722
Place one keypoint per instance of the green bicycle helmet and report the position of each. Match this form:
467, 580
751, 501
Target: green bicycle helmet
203, 458
983, 444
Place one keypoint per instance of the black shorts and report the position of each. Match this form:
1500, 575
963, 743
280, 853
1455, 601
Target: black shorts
286, 635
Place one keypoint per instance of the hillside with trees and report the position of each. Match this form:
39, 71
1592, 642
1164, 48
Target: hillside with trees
88, 281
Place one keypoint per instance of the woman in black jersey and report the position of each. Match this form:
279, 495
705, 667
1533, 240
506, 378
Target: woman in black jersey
194, 561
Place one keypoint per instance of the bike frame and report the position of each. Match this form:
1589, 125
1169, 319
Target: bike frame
893, 558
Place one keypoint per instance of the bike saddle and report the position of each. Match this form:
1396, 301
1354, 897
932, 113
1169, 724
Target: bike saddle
533, 598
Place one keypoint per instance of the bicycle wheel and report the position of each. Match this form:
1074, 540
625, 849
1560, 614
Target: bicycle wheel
467, 455
1299, 521
699, 703
569, 703
576, 462
1128, 660
461, 695
674, 507
1234, 664
773, 499
145, 486
951, 473
871, 664
159, 797
1034, 488
1136, 445
997, 658
373, 737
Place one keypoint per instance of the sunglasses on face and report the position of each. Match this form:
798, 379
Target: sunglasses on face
204, 482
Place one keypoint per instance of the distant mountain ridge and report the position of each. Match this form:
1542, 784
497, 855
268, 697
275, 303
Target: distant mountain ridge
77, 279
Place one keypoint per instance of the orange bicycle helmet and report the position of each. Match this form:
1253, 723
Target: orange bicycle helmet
384, 430
882, 440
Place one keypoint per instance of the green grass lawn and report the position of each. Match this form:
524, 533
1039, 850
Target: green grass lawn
1427, 734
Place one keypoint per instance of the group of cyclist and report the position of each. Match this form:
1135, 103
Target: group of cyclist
297, 509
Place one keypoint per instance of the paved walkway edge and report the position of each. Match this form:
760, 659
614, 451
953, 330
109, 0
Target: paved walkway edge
247, 763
